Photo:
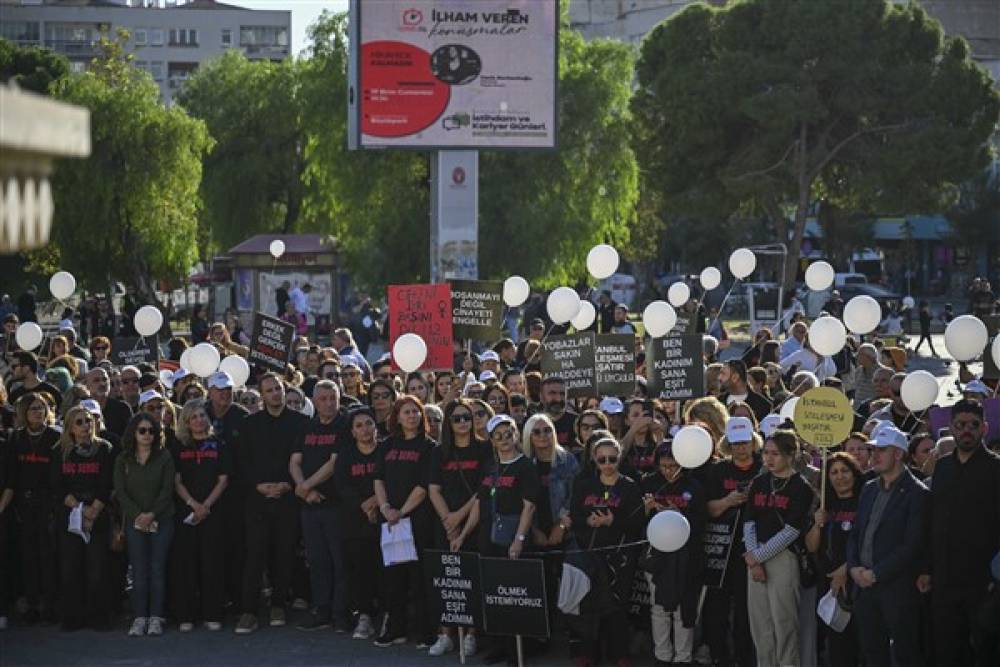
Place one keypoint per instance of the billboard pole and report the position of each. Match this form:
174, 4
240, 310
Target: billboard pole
454, 236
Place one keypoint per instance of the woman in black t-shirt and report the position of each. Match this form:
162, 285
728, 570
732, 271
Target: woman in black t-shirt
33, 454
381, 397
457, 468
203, 467
354, 479
84, 478
777, 514
828, 540
606, 511
401, 486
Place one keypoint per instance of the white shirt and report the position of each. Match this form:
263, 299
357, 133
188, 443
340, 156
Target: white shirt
893, 325
790, 346
300, 300
808, 360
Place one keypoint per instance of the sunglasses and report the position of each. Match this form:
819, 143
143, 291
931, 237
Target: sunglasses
381, 396
606, 460
589, 425
458, 419
502, 435
481, 413
544, 430
146, 430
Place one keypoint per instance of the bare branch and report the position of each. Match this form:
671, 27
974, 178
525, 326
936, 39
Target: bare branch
768, 170
851, 137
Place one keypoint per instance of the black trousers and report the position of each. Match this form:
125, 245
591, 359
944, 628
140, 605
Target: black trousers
405, 583
232, 506
842, 649
889, 614
84, 573
197, 571
272, 532
5, 562
960, 636
37, 554
364, 570
725, 615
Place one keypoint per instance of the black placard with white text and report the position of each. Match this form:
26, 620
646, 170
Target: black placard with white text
271, 342
674, 367
476, 309
614, 359
454, 597
514, 597
571, 357
132, 350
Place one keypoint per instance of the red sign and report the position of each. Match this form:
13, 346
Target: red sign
426, 311
400, 94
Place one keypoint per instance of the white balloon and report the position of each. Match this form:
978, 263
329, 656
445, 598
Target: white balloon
409, 352
742, 262
659, 318
237, 367
148, 320
62, 285
996, 350
919, 390
668, 531
585, 317
909, 302
827, 336
692, 446
819, 276
788, 408
710, 278
966, 337
515, 291
678, 294
602, 261
185, 360
562, 305
28, 336
862, 314
204, 359
277, 248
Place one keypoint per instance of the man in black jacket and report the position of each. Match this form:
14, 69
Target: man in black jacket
964, 538
735, 388
883, 554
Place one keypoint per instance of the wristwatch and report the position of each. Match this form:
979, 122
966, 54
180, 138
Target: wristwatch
521, 538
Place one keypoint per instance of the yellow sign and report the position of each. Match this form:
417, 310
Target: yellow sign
823, 417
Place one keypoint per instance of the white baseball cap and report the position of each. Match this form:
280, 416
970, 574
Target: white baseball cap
489, 355
890, 436
151, 395
497, 420
91, 406
612, 405
487, 375
739, 429
220, 380
770, 424
977, 387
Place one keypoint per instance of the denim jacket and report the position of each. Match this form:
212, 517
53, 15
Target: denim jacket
564, 470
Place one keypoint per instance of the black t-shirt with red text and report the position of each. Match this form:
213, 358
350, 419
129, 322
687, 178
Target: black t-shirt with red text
318, 443
404, 465
506, 486
32, 458
775, 503
623, 499
354, 477
841, 515
200, 465
683, 494
460, 471
85, 473
564, 428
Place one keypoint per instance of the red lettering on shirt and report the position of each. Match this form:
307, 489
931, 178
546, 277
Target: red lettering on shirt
403, 455
503, 482
844, 515
770, 500
679, 501
362, 469
452, 466
594, 500
32, 457
198, 455
70, 468
320, 439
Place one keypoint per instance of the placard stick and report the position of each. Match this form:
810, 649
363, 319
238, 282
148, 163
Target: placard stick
461, 645
520, 651
822, 482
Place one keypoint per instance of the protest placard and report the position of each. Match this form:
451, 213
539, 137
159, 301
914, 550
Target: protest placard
424, 310
454, 597
572, 358
514, 597
132, 350
476, 309
614, 360
674, 367
271, 342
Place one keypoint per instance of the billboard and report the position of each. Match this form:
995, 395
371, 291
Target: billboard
443, 74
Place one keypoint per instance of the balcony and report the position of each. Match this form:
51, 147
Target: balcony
175, 82
264, 50
74, 48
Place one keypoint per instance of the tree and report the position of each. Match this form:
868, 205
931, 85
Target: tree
129, 211
32, 67
539, 212
252, 180
775, 104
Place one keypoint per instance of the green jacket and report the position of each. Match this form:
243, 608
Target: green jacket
145, 488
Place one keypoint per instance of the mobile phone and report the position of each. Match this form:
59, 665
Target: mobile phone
598, 509
743, 486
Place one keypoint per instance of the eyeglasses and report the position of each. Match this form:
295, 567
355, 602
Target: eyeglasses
145, 430
589, 425
462, 417
961, 425
481, 413
502, 435
606, 460
543, 430
382, 395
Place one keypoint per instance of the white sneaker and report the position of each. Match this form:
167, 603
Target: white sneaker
299, 604
364, 629
441, 646
155, 626
138, 628
186, 627
213, 626
469, 644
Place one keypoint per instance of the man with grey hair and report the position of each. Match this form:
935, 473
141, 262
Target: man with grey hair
861, 379
796, 337
802, 382
117, 414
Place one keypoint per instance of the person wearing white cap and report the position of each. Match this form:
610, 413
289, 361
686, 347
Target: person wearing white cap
490, 361
780, 501
976, 390
726, 485
884, 551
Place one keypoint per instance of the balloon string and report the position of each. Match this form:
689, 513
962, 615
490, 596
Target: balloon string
722, 305
555, 552
541, 344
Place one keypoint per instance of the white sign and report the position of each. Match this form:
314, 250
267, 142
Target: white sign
320, 297
456, 73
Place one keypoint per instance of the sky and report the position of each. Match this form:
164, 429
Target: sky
304, 13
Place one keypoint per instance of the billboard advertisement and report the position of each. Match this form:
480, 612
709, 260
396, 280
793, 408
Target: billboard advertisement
440, 74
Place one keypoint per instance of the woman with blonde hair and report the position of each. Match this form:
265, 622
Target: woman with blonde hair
557, 468
710, 412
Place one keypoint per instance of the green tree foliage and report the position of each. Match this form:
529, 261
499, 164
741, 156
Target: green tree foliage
129, 212
32, 67
770, 105
539, 212
976, 215
252, 180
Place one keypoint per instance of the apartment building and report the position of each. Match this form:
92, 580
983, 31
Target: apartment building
168, 38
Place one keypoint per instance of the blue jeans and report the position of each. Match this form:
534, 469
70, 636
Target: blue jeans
324, 544
147, 554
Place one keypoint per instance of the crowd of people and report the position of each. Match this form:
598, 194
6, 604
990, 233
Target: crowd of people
215, 505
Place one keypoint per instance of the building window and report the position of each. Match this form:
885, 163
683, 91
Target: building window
156, 69
227, 38
263, 35
156, 36
183, 37
139, 36
141, 64
20, 31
